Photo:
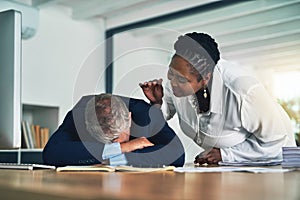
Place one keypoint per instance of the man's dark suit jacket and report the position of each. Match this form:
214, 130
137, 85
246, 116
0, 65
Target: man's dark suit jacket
71, 144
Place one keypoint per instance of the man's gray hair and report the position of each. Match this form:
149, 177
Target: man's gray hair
106, 116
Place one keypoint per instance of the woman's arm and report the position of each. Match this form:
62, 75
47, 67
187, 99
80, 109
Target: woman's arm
268, 124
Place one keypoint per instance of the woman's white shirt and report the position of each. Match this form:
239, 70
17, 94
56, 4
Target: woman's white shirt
244, 121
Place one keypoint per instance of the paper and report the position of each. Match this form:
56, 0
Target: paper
252, 163
291, 157
231, 169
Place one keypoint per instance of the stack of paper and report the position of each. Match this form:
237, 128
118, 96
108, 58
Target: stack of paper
291, 157
231, 169
252, 163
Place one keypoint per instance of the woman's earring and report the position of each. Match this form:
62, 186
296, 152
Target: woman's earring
204, 94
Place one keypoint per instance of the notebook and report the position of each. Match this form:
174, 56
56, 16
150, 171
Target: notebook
108, 168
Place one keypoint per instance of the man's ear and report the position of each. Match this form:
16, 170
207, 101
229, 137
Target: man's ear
129, 115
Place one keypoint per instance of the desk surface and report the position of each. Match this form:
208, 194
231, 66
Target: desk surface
49, 184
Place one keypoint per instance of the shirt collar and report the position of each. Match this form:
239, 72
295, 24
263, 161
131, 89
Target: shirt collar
216, 95
216, 98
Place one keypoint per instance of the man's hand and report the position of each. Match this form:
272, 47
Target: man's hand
153, 90
212, 156
138, 143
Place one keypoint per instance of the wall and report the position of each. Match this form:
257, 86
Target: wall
57, 58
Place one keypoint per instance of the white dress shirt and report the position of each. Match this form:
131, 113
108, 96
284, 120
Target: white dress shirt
244, 121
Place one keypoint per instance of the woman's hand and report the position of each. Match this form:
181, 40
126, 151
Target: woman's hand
212, 156
138, 143
153, 90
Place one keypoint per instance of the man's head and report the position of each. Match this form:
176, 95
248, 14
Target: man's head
108, 119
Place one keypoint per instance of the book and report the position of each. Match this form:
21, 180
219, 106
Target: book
44, 132
33, 135
37, 129
108, 168
86, 168
29, 135
124, 168
25, 135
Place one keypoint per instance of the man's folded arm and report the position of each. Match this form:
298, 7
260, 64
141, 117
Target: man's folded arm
156, 156
72, 153
167, 150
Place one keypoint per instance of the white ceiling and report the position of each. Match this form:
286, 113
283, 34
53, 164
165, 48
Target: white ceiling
264, 33
107, 9
117, 12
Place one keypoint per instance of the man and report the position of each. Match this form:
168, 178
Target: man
114, 130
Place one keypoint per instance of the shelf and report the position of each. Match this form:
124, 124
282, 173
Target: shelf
21, 150
40, 122
21, 156
45, 116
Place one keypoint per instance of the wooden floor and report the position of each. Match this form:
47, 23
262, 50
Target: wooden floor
49, 184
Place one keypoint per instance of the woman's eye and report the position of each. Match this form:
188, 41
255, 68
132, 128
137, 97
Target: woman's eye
182, 80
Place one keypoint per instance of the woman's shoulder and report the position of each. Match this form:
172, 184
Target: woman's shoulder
236, 76
231, 70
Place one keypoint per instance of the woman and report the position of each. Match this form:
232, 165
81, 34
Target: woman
220, 105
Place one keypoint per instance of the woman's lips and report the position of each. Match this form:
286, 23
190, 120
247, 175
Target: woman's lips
175, 90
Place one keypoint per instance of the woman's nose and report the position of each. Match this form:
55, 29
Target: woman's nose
174, 82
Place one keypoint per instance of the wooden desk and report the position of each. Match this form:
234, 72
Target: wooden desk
48, 184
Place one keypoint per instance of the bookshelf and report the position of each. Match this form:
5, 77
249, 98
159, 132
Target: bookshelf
45, 117
42, 115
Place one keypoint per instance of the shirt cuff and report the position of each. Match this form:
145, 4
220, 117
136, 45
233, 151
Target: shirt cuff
118, 160
111, 150
114, 154
226, 155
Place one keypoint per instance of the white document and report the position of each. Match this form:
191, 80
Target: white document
252, 163
231, 169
